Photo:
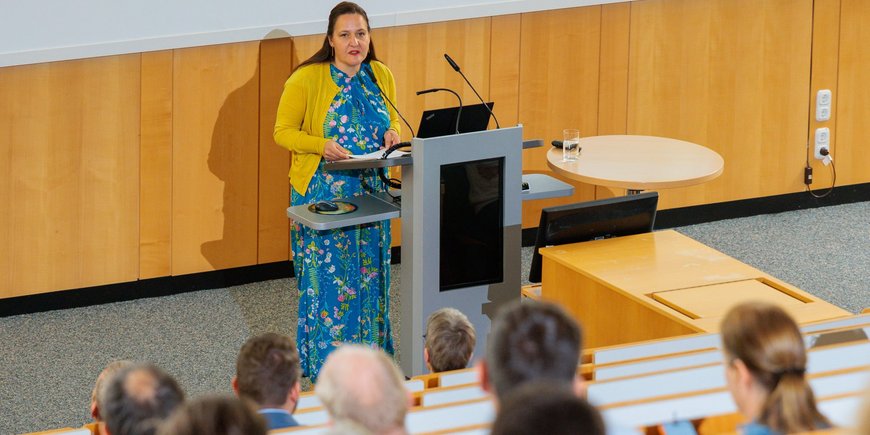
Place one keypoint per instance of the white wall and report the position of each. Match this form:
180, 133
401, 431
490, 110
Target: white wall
33, 31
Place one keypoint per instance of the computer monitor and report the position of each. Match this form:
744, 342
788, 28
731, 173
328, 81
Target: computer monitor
442, 122
593, 220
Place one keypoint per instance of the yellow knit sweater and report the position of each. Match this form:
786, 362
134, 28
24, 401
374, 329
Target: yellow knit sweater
302, 112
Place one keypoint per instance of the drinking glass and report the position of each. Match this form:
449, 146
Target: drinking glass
570, 144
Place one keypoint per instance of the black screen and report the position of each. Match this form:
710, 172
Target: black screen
442, 122
472, 238
580, 222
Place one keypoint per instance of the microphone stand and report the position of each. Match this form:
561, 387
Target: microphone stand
458, 113
456, 68
384, 94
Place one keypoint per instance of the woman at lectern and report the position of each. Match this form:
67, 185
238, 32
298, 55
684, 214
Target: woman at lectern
333, 106
765, 369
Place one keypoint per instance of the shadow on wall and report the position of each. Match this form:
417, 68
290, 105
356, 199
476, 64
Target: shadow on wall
234, 159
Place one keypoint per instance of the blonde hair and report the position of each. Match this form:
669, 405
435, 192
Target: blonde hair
363, 385
770, 344
450, 339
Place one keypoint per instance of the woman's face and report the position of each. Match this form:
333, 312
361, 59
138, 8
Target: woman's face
350, 40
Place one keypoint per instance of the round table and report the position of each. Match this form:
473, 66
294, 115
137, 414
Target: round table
638, 163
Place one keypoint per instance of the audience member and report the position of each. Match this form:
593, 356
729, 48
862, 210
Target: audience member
215, 415
765, 362
137, 399
99, 385
267, 373
548, 408
450, 341
363, 385
531, 341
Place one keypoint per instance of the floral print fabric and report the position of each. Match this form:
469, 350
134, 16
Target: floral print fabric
343, 275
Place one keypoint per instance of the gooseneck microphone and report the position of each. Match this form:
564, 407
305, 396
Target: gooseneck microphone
458, 113
384, 94
456, 68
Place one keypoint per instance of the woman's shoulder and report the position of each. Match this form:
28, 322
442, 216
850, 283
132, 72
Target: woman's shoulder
379, 67
306, 72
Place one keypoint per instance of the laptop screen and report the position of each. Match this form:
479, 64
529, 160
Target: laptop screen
442, 122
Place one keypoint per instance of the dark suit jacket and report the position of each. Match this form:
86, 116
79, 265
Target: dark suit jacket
278, 418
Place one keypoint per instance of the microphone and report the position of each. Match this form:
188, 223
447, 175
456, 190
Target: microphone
458, 113
375, 81
456, 68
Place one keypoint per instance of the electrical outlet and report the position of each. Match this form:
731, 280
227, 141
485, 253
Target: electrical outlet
823, 114
823, 140
823, 97
823, 105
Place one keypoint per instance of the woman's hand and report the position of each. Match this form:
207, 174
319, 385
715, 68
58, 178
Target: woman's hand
332, 151
391, 138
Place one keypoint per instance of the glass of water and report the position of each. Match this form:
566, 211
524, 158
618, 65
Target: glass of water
570, 144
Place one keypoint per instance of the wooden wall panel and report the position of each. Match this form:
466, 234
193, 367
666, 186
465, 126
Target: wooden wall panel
613, 83
415, 54
826, 42
215, 157
70, 179
276, 63
729, 75
504, 74
155, 172
852, 100
558, 88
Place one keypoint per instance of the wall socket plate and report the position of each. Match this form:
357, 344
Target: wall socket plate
823, 140
823, 105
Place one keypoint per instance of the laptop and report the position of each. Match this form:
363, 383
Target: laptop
442, 122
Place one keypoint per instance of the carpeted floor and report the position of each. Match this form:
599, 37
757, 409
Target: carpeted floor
49, 360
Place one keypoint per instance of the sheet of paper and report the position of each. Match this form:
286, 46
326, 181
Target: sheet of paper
378, 154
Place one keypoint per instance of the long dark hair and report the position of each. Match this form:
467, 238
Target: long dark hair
770, 344
325, 54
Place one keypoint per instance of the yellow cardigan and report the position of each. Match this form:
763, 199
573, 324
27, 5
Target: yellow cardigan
302, 112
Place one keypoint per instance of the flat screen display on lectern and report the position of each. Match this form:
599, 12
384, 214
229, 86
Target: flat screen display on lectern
472, 217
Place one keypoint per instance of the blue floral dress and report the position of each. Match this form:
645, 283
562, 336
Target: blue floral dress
343, 275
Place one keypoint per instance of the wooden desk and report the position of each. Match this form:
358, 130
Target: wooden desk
638, 162
660, 284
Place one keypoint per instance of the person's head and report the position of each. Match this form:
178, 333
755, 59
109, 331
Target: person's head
450, 340
765, 362
267, 372
110, 370
546, 407
215, 415
531, 341
363, 385
138, 398
348, 40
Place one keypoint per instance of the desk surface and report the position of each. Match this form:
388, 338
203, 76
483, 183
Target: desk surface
638, 162
663, 275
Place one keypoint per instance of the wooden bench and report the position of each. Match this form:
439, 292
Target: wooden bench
711, 376
690, 356
650, 412
459, 393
